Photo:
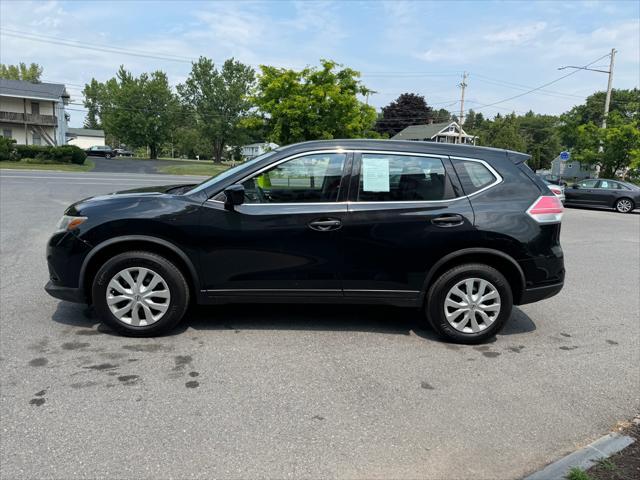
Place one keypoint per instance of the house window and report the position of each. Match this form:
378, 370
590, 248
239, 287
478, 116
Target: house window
35, 108
6, 132
36, 139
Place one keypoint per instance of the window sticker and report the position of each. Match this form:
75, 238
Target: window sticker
375, 174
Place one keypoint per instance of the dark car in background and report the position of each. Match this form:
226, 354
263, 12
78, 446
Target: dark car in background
122, 152
100, 151
460, 232
604, 193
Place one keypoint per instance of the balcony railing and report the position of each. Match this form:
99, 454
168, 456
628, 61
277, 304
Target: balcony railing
29, 118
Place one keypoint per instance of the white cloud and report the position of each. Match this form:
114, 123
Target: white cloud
516, 35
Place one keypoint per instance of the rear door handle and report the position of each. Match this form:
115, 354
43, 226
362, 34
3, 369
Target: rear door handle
325, 224
448, 220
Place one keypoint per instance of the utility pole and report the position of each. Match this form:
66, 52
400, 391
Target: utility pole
608, 97
462, 85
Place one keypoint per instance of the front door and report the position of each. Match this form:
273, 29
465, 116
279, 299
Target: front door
403, 217
285, 237
583, 193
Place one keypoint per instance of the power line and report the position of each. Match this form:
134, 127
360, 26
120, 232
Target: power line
541, 86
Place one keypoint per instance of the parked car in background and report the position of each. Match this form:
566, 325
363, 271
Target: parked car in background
100, 151
123, 152
557, 190
604, 193
461, 233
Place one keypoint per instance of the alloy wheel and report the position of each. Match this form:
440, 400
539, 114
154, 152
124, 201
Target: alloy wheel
472, 305
138, 296
623, 205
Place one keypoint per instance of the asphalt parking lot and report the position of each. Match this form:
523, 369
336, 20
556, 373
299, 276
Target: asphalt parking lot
307, 392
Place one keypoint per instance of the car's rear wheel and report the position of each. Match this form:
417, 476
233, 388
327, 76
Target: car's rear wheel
624, 205
107, 155
469, 303
140, 294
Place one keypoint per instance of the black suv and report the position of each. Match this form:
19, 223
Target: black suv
462, 232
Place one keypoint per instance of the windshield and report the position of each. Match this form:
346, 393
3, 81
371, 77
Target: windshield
231, 171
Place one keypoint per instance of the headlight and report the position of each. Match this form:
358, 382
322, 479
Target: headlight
68, 223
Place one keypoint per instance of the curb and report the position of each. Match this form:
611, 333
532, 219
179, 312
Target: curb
584, 458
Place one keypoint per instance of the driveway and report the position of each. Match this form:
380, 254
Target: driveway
268, 391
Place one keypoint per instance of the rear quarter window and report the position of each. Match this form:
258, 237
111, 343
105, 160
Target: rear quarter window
474, 176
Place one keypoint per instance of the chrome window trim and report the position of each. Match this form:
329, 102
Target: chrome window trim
497, 176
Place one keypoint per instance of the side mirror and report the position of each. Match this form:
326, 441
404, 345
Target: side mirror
234, 196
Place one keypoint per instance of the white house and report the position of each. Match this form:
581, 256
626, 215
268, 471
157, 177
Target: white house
33, 113
85, 137
447, 132
254, 149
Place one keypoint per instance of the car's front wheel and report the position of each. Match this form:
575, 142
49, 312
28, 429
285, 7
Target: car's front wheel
469, 303
624, 205
140, 294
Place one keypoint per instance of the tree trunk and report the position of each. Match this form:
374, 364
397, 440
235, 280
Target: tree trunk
218, 148
153, 151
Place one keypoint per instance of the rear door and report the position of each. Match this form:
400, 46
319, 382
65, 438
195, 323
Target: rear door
606, 193
406, 211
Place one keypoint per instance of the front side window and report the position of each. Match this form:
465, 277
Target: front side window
588, 183
308, 179
474, 176
401, 178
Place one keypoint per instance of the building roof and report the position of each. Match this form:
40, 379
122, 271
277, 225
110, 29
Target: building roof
420, 132
85, 132
38, 91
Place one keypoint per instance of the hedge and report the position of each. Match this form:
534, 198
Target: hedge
46, 154
8, 149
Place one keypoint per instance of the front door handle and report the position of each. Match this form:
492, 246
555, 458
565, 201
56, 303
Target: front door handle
325, 224
448, 220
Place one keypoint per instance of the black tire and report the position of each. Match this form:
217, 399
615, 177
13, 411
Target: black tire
107, 156
436, 296
624, 201
171, 275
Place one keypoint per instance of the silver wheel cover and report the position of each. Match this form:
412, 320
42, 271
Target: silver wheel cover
623, 205
472, 305
138, 296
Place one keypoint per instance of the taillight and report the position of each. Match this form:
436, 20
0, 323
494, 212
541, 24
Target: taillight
556, 190
546, 210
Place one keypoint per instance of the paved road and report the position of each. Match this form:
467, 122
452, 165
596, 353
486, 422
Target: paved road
294, 391
122, 164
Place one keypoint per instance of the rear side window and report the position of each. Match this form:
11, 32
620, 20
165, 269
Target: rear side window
474, 176
402, 178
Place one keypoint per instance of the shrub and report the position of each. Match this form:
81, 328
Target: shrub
46, 154
8, 149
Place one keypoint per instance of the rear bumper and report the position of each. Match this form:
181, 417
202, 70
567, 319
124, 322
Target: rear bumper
536, 294
69, 294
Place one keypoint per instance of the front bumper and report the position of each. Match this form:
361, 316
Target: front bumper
69, 294
536, 294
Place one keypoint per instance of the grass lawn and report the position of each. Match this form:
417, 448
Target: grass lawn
207, 168
61, 167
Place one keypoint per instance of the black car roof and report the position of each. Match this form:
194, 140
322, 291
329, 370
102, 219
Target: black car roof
482, 153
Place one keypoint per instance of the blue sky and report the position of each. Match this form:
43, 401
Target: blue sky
399, 46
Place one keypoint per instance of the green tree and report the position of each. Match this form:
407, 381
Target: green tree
503, 132
408, 109
219, 100
614, 149
625, 103
30, 73
138, 111
540, 133
92, 94
314, 103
